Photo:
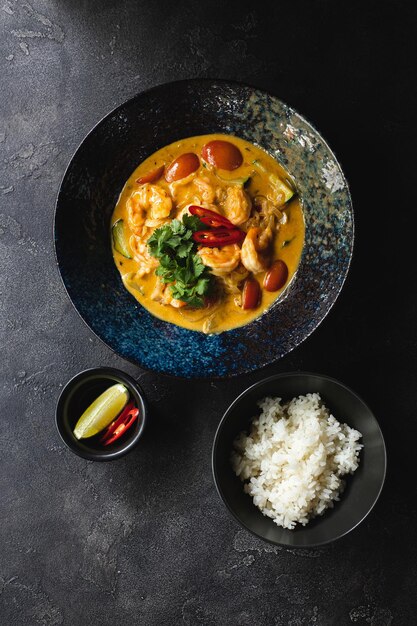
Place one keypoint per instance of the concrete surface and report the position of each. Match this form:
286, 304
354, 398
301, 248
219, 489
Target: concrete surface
146, 540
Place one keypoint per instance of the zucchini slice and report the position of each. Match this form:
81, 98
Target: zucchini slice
281, 187
259, 165
278, 185
243, 180
119, 239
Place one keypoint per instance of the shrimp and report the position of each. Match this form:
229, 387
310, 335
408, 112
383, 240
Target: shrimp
268, 209
180, 189
147, 200
205, 191
136, 215
256, 255
221, 260
162, 294
141, 255
193, 190
184, 211
234, 280
237, 205
154, 224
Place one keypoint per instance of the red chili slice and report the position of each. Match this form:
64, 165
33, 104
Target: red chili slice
211, 218
124, 420
120, 430
115, 423
219, 237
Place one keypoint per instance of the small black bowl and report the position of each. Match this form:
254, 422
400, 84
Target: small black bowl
362, 489
78, 394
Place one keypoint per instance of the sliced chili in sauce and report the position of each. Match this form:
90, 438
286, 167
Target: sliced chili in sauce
218, 237
211, 218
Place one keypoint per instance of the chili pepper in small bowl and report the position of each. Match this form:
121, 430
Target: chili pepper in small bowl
120, 425
121, 435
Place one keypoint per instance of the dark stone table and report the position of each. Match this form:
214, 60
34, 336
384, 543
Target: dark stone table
146, 540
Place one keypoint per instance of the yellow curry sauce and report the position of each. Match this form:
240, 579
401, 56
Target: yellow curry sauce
286, 244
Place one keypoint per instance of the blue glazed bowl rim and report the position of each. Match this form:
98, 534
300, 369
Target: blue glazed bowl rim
218, 434
205, 81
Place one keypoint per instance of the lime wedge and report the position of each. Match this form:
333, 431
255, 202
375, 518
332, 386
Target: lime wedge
102, 411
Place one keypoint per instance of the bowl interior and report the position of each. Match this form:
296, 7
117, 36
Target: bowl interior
78, 394
93, 182
362, 489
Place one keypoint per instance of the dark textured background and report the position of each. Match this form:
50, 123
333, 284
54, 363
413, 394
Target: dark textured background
145, 540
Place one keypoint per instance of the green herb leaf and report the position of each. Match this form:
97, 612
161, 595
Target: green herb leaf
198, 266
179, 266
193, 223
202, 285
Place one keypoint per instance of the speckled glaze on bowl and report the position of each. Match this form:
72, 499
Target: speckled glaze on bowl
107, 157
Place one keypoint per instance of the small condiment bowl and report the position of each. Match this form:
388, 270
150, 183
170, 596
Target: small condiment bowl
362, 488
78, 394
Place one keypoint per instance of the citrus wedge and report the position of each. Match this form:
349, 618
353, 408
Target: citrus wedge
102, 411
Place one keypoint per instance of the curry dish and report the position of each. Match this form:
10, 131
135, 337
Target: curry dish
208, 232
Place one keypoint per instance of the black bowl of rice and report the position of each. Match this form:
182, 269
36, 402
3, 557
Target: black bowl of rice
299, 459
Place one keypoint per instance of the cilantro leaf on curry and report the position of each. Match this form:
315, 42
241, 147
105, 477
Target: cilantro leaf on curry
179, 264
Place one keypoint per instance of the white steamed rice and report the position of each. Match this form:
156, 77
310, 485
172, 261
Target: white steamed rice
294, 457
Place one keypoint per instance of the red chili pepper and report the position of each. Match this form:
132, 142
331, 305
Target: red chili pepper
120, 425
119, 419
131, 417
211, 218
219, 237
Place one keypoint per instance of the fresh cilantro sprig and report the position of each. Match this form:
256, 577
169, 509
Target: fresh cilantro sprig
179, 265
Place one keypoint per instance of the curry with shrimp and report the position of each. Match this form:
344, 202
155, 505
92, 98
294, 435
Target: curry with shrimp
208, 232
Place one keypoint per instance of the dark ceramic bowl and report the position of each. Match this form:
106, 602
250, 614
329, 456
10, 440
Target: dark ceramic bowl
107, 157
362, 488
78, 394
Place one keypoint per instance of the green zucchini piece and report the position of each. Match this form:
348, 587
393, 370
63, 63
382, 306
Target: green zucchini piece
243, 180
119, 239
281, 187
259, 165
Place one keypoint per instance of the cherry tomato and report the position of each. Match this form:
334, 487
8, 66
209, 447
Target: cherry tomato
152, 176
251, 294
222, 154
276, 277
183, 166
